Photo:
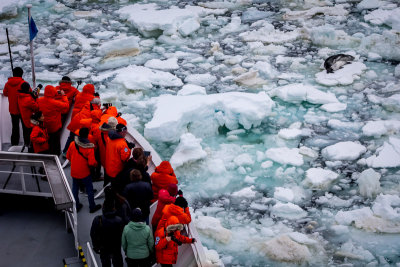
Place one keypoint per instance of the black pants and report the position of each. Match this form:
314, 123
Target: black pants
138, 262
15, 119
26, 132
107, 257
54, 143
166, 265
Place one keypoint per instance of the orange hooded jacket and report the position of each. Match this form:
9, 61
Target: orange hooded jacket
69, 91
39, 137
117, 153
162, 176
95, 131
81, 162
86, 95
164, 198
11, 91
27, 106
52, 108
183, 215
167, 252
84, 113
112, 112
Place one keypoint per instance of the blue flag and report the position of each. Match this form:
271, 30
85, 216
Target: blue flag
32, 29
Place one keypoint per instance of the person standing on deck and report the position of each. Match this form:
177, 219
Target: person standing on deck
179, 209
39, 136
66, 85
81, 155
11, 91
162, 176
27, 105
52, 104
165, 197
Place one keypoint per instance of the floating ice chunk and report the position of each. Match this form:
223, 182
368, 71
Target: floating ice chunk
142, 78
344, 76
379, 128
268, 34
344, 125
385, 44
283, 194
205, 113
234, 26
188, 150
86, 43
213, 258
250, 79
284, 249
308, 152
334, 107
243, 159
189, 26
265, 68
168, 64
48, 76
333, 201
216, 166
290, 133
120, 47
386, 207
319, 179
302, 238
343, 151
88, 14
348, 217
104, 35
338, 10
330, 37
391, 103
192, 89
247, 192
200, 79
381, 16
388, 155
212, 227
368, 183
340, 229
267, 164
251, 15
50, 61
348, 250
297, 93
10, 7
288, 211
250, 179
80, 73
369, 4
285, 155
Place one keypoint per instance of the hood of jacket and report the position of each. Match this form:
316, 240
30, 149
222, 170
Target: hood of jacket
112, 111
88, 89
114, 135
14, 81
50, 91
136, 225
173, 224
96, 115
83, 142
165, 167
65, 86
174, 209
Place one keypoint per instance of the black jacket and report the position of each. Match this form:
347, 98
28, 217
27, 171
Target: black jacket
139, 194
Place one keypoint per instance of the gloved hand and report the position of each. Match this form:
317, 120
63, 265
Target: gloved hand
173, 238
194, 240
180, 193
130, 144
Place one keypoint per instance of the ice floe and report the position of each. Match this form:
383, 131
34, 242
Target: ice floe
283, 248
212, 227
368, 183
166, 65
192, 89
379, 128
285, 155
288, 211
344, 76
343, 151
386, 156
188, 150
319, 179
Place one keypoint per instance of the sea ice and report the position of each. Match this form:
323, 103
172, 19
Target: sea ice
381, 16
243, 159
283, 194
334, 107
250, 79
290, 133
344, 125
338, 10
369, 4
247, 192
48, 76
192, 89
368, 183
344, 76
205, 113
285, 155
332, 201
327, 36
200, 79
142, 78
284, 249
379, 128
288, 211
119, 47
343, 151
213, 258
166, 65
302, 238
391, 103
189, 26
268, 34
385, 44
348, 250
188, 150
387, 156
319, 179
212, 227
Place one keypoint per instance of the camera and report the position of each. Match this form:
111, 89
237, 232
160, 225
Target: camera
79, 82
146, 153
36, 91
107, 105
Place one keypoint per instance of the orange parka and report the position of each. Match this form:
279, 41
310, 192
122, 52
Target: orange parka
183, 215
95, 131
162, 176
84, 113
52, 108
112, 112
164, 198
117, 153
27, 106
39, 137
167, 252
11, 88
81, 155
69, 91
82, 98
101, 138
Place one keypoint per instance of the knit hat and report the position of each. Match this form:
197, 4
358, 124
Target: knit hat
84, 132
136, 215
112, 122
181, 202
120, 127
96, 101
25, 87
65, 79
172, 189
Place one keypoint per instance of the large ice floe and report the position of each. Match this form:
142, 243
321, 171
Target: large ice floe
343, 151
175, 115
344, 76
386, 156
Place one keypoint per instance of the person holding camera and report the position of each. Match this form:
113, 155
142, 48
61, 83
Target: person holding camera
137, 241
11, 91
87, 95
162, 176
65, 84
52, 105
168, 239
179, 209
27, 106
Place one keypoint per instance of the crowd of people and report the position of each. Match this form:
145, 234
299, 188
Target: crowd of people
97, 140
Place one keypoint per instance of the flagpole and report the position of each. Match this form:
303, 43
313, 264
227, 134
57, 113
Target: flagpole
9, 50
29, 6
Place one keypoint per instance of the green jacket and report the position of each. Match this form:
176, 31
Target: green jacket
137, 240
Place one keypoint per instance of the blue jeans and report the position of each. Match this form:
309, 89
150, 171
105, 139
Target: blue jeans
87, 182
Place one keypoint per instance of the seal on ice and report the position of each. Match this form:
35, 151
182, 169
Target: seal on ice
335, 62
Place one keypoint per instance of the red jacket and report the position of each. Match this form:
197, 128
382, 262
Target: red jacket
112, 112
95, 131
84, 113
52, 108
162, 176
101, 138
167, 252
27, 106
69, 91
183, 215
80, 164
82, 98
164, 198
39, 138
11, 88
117, 153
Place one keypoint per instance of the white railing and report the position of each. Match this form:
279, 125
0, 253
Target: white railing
90, 258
